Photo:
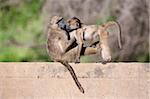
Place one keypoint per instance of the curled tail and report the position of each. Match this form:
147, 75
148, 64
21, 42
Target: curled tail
65, 63
107, 25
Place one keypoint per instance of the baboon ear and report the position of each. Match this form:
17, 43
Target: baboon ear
74, 17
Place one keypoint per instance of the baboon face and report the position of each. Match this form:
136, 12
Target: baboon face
73, 24
63, 25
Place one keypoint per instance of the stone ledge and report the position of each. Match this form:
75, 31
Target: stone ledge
43, 80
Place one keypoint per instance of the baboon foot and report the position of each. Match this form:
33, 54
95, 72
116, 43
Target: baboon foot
77, 61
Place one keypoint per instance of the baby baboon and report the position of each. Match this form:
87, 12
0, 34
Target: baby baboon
58, 42
90, 34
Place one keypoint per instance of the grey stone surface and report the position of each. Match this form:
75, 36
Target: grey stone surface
38, 80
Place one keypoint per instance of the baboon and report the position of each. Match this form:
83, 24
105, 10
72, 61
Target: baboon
58, 42
90, 34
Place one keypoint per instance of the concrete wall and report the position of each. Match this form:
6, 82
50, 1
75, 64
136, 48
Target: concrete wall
52, 81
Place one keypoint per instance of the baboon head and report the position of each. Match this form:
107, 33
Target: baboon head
58, 21
55, 19
73, 24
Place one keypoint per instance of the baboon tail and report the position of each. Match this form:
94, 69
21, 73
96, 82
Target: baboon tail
119, 31
73, 75
119, 35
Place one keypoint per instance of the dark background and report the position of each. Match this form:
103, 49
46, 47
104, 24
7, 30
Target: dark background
23, 24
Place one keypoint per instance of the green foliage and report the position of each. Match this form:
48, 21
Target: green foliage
21, 32
106, 19
143, 57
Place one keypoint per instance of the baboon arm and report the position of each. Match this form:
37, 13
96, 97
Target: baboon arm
79, 40
79, 52
69, 45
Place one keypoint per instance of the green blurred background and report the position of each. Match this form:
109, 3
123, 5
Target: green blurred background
21, 27
23, 23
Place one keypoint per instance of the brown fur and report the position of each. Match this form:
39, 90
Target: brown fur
89, 33
57, 43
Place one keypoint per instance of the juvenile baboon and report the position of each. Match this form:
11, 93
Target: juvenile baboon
90, 34
58, 42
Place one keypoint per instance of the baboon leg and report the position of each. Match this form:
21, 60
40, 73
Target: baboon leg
70, 56
90, 51
109, 24
105, 50
99, 50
